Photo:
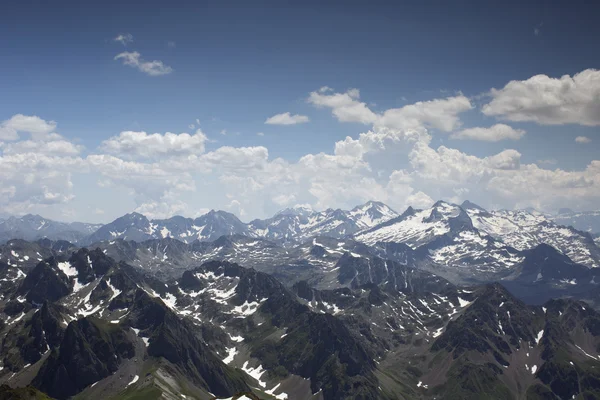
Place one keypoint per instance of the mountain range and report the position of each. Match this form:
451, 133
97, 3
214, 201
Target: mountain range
33, 227
518, 228
450, 302
79, 324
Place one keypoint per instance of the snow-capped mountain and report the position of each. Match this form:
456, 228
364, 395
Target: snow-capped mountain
290, 225
33, 227
526, 229
586, 221
300, 224
444, 235
137, 227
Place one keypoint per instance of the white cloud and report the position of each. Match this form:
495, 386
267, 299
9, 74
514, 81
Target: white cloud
549, 101
148, 181
392, 161
171, 44
152, 68
163, 209
124, 38
260, 134
440, 114
583, 139
54, 145
346, 107
131, 144
236, 207
31, 180
34, 125
284, 199
494, 133
287, 119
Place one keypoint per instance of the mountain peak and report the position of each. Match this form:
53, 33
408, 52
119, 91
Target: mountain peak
467, 205
302, 210
134, 216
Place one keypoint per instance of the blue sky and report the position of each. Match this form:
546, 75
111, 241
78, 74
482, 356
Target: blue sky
233, 65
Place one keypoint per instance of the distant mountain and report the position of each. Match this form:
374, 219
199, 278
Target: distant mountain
137, 227
524, 230
546, 273
586, 221
33, 227
444, 235
289, 225
300, 224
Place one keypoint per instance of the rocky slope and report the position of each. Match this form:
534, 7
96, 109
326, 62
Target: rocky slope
477, 244
586, 221
524, 230
444, 236
82, 324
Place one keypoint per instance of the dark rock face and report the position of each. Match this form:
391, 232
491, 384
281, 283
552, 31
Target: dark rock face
45, 282
477, 328
176, 341
358, 271
91, 350
550, 264
484, 333
26, 343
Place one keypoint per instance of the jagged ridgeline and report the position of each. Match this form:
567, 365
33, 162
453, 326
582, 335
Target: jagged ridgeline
80, 324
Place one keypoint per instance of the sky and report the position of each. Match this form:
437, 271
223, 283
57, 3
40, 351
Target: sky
250, 107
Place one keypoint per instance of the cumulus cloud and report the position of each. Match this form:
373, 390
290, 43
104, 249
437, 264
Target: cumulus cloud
124, 38
494, 133
131, 144
36, 172
135, 60
31, 180
56, 145
442, 114
393, 161
583, 139
549, 101
287, 119
34, 125
346, 107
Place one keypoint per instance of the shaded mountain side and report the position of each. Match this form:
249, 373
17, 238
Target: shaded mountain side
392, 332
499, 348
25, 344
358, 271
91, 349
178, 342
546, 273
45, 282
319, 347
